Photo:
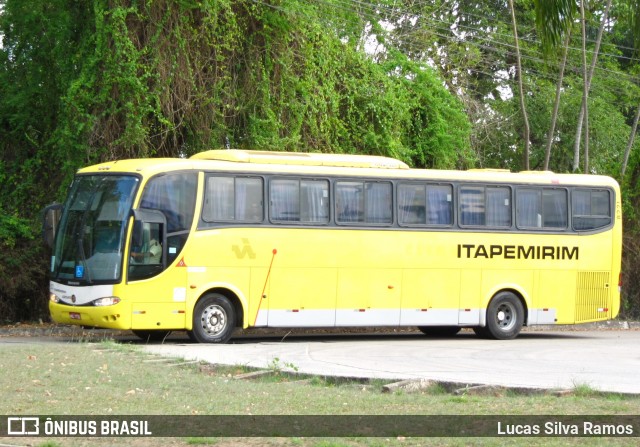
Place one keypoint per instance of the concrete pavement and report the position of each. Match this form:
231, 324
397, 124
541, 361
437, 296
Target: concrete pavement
606, 360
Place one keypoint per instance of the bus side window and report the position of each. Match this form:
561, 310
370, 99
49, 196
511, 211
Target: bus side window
554, 205
472, 206
249, 199
175, 196
299, 200
439, 205
412, 200
349, 202
378, 203
364, 202
542, 208
314, 201
233, 199
425, 204
591, 209
498, 206
284, 205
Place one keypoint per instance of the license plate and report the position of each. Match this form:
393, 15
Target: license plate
74, 315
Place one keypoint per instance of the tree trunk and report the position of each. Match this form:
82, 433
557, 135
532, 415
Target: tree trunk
556, 105
630, 143
521, 88
584, 111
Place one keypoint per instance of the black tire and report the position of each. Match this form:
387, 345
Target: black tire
505, 317
481, 332
214, 319
439, 331
151, 335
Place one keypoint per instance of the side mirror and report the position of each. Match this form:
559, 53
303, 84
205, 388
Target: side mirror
50, 219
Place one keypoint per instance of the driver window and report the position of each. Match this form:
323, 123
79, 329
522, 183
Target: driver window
149, 249
145, 258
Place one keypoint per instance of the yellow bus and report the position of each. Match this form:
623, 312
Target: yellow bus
240, 239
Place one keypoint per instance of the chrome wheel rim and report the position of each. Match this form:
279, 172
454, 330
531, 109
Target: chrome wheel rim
505, 316
213, 319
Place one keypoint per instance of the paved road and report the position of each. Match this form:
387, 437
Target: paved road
607, 360
604, 360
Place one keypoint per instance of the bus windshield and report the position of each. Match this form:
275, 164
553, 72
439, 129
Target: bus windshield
90, 239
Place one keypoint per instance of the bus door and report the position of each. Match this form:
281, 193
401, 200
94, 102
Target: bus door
156, 278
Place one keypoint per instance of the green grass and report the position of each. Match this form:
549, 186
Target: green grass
109, 378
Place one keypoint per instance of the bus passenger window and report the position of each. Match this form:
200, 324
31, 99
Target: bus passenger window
439, 205
591, 209
378, 203
472, 205
554, 205
425, 204
236, 199
543, 208
529, 208
284, 202
412, 201
249, 199
498, 206
294, 200
219, 199
485, 206
349, 202
365, 202
314, 201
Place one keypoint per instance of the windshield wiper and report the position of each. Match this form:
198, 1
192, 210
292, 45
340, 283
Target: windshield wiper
83, 258
80, 236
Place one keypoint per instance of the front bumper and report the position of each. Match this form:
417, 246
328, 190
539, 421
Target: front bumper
117, 316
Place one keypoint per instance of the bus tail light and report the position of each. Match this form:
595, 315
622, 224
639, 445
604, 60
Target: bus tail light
106, 301
620, 282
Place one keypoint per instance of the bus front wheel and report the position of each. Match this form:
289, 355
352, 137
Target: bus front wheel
213, 319
505, 317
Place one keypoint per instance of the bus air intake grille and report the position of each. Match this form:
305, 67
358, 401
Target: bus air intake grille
592, 298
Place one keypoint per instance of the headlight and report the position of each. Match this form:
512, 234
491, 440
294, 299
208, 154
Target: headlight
54, 298
106, 301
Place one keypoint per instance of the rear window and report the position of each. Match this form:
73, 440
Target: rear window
591, 209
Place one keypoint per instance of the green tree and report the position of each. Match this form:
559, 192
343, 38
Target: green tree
84, 82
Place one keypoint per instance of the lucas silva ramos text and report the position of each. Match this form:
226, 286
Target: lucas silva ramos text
558, 428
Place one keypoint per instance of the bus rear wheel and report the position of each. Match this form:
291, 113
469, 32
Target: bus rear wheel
505, 317
213, 319
439, 331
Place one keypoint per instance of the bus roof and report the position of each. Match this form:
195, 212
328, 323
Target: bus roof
302, 158
294, 163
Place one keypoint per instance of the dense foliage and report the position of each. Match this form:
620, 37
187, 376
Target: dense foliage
429, 82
